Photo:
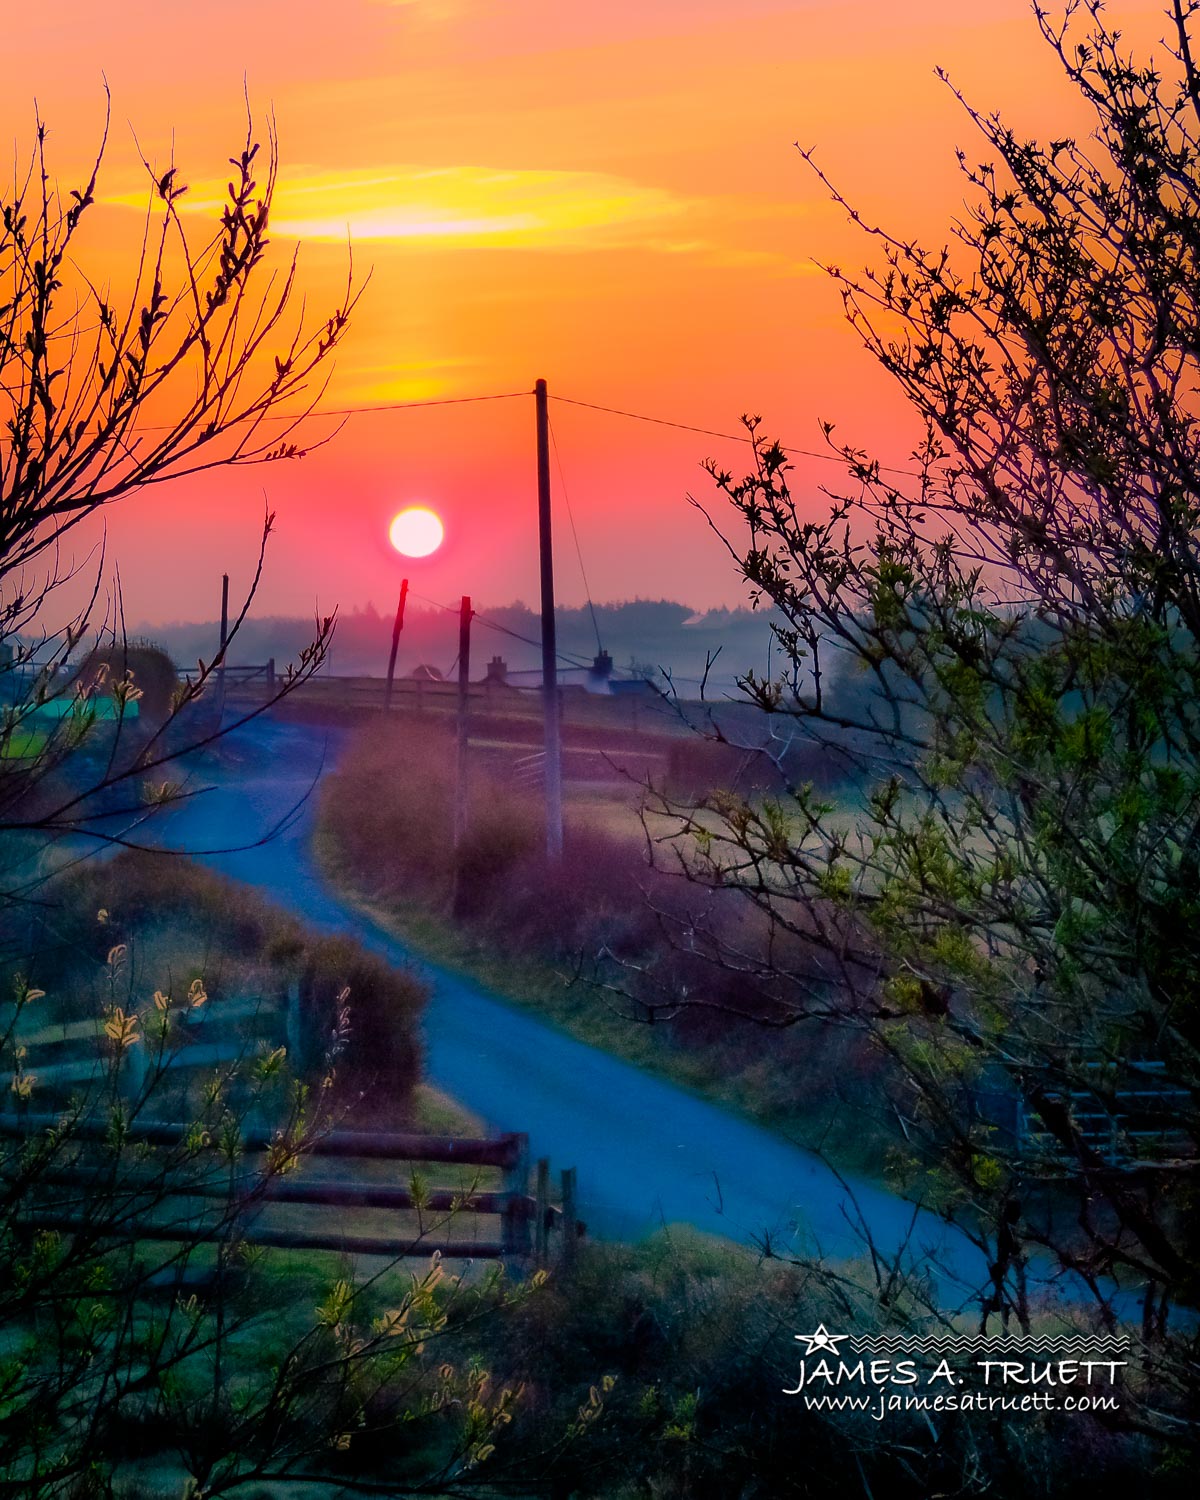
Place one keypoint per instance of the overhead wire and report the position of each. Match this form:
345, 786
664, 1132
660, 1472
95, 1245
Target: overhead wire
615, 411
354, 411
573, 662
731, 437
636, 416
489, 624
562, 481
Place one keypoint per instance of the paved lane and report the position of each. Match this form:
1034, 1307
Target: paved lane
647, 1152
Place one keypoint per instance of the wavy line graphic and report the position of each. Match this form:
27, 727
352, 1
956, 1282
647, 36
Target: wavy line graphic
935, 1343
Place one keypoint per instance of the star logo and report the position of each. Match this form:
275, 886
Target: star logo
822, 1339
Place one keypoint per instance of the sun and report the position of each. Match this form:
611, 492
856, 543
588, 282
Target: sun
416, 532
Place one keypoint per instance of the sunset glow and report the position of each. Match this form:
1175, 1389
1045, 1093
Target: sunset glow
416, 532
606, 196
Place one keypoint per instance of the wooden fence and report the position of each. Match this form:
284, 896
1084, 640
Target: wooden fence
1141, 1115
70, 1060
258, 677
525, 1221
254, 683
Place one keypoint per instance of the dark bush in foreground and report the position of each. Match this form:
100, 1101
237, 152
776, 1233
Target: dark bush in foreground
380, 1050
696, 1340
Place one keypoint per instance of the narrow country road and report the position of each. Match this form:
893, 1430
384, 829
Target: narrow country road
647, 1152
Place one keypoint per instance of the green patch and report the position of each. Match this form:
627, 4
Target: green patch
23, 744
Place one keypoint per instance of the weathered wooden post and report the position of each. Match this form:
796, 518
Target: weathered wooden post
293, 1034
541, 1212
224, 647
514, 1233
133, 1068
570, 1219
396, 629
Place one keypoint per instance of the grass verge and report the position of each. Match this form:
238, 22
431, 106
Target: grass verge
757, 1091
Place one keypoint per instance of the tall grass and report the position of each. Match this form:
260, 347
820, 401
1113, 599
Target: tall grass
638, 940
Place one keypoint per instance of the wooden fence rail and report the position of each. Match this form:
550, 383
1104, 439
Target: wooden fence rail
525, 1220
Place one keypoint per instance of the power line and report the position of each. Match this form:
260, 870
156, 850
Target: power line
573, 661
638, 416
562, 480
731, 437
614, 411
525, 640
354, 411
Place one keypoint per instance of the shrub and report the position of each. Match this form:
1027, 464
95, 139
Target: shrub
697, 1341
381, 1053
151, 669
180, 921
390, 807
389, 814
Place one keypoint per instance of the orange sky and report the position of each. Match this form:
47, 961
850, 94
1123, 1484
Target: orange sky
606, 195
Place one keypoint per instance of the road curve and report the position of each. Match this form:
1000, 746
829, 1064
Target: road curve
647, 1152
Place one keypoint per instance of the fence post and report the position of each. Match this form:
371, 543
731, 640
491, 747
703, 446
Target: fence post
570, 1219
515, 1222
541, 1210
293, 1035
270, 676
133, 1068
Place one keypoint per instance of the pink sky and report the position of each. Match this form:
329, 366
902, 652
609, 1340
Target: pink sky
606, 196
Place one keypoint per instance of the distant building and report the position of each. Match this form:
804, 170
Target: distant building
426, 674
600, 679
599, 674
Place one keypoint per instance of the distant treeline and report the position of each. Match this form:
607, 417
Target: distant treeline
643, 637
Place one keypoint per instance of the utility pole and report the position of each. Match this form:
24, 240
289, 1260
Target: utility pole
551, 706
464, 692
396, 629
224, 643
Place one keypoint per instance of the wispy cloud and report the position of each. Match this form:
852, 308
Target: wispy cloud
482, 206
516, 208
479, 205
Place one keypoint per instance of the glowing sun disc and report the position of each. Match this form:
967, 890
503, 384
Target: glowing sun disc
416, 532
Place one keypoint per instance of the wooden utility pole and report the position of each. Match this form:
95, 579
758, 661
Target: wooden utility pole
224, 643
396, 629
551, 706
464, 694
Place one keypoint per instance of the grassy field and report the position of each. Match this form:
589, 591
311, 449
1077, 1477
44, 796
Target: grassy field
23, 744
759, 1091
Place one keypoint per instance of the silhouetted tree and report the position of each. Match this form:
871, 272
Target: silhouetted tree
136, 1317
188, 368
1001, 647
